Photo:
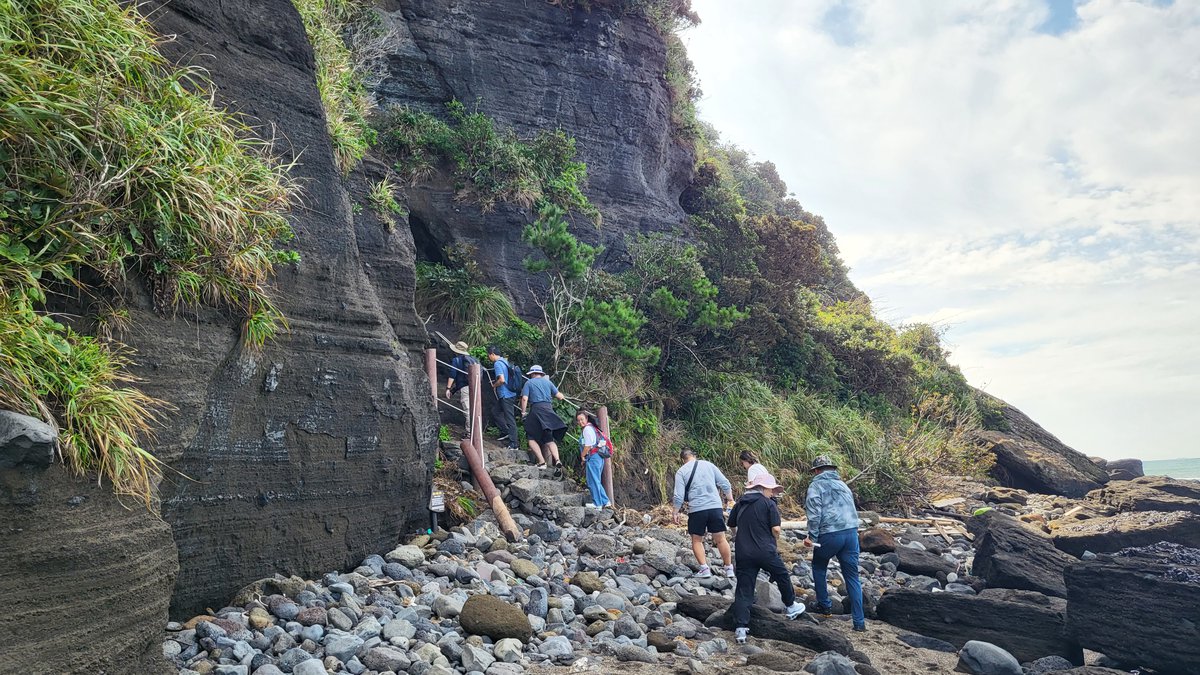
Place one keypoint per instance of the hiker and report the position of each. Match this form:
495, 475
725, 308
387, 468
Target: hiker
700, 485
833, 523
756, 524
594, 448
459, 382
506, 396
752, 467
543, 427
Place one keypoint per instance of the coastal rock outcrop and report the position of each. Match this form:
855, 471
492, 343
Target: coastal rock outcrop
765, 624
1010, 555
1124, 469
1126, 530
1150, 493
318, 449
533, 66
1032, 459
1024, 628
86, 576
1140, 608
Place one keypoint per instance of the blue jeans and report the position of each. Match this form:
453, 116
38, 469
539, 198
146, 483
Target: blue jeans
595, 479
843, 545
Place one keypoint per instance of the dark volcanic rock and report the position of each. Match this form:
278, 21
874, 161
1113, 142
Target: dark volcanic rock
877, 541
1151, 493
764, 624
317, 450
916, 561
86, 577
1010, 555
532, 66
1032, 459
1133, 610
1025, 630
25, 441
1125, 530
1124, 469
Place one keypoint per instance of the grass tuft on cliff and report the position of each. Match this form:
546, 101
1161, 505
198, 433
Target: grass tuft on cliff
114, 163
489, 164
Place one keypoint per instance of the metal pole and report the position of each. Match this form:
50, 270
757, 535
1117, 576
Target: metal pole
602, 418
431, 371
475, 424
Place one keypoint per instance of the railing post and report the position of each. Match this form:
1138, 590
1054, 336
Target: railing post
475, 423
602, 418
431, 371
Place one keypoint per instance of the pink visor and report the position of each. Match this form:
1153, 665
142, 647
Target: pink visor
765, 481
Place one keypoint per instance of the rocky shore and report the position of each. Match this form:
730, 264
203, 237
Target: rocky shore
591, 590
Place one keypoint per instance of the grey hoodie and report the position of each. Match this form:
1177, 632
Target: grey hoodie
707, 487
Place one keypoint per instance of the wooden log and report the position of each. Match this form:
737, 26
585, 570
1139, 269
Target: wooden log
602, 418
503, 518
942, 532
431, 373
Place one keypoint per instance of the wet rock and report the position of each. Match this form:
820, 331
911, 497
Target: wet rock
1025, 629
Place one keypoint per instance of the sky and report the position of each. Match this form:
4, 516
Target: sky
1023, 174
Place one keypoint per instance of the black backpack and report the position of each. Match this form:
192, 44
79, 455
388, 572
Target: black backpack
515, 378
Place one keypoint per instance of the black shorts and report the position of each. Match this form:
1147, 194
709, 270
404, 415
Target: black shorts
709, 520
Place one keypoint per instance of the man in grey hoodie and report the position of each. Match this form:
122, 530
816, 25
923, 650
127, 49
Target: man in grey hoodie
700, 485
833, 523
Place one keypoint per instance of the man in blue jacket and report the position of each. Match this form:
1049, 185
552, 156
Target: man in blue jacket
833, 523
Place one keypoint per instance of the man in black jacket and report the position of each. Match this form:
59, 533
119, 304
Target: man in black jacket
756, 521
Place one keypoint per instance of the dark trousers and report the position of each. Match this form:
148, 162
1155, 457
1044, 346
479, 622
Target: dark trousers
505, 415
746, 569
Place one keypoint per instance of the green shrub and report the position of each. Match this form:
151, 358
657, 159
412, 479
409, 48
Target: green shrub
383, 201
115, 163
340, 79
477, 310
490, 165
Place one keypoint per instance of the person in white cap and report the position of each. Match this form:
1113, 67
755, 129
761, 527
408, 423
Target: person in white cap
756, 523
544, 429
458, 382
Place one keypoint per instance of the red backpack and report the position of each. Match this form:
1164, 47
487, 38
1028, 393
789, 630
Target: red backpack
606, 450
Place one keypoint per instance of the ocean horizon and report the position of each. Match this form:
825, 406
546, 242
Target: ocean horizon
1175, 468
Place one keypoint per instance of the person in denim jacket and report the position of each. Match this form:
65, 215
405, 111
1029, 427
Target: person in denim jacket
833, 524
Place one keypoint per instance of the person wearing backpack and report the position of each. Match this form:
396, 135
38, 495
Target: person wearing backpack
594, 448
458, 380
700, 485
544, 429
503, 383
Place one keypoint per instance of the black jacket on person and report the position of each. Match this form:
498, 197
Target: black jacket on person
754, 515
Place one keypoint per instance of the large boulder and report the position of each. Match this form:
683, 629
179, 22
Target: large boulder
1151, 493
492, 617
1125, 469
876, 540
764, 624
1010, 555
1032, 459
1126, 530
1026, 630
1140, 607
25, 441
984, 658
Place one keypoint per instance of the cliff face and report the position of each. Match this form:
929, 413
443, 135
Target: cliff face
534, 66
317, 451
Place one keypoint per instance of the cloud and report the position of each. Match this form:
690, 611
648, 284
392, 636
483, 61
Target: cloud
1026, 171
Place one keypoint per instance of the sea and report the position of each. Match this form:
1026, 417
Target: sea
1175, 468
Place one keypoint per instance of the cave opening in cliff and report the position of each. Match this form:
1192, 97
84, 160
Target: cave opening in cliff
429, 248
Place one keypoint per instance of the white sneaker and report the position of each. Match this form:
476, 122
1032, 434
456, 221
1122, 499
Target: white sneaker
703, 573
795, 610
741, 635
729, 572
589, 505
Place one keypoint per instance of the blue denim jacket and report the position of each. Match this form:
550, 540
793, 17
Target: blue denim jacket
829, 505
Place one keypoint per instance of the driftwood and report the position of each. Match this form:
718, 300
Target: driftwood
503, 518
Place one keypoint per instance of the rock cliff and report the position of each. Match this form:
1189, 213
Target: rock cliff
533, 66
318, 450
